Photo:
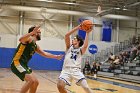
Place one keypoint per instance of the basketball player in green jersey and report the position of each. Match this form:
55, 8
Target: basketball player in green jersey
23, 54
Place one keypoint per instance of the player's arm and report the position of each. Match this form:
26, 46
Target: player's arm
67, 36
25, 38
85, 45
47, 55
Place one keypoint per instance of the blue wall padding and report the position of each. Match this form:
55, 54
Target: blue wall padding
41, 63
107, 30
6, 55
37, 62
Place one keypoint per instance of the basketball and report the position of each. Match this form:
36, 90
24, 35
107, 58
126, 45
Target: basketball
86, 25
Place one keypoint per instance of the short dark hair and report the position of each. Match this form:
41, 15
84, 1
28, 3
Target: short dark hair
31, 29
80, 39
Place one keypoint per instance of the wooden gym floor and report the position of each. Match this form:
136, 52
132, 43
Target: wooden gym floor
9, 83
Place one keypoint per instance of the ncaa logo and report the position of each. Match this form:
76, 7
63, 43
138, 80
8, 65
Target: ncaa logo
92, 49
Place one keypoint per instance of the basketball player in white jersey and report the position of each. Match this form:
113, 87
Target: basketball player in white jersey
72, 62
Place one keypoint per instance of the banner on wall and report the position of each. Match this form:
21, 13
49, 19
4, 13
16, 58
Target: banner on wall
93, 49
107, 30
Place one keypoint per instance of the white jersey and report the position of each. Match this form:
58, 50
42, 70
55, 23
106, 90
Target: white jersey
73, 57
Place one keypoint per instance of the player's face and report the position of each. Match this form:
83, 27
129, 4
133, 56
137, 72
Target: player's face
74, 41
38, 36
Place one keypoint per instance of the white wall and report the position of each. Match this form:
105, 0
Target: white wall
8, 40
50, 33
97, 34
11, 41
48, 43
58, 29
128, 29
125, 34
138, 30
8, 26
53, 44
101, 45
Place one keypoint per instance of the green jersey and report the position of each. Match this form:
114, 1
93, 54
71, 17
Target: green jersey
24, 53
21, 58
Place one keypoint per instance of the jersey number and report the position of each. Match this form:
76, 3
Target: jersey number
73, 56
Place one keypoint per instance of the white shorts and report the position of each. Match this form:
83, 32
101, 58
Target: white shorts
68, 74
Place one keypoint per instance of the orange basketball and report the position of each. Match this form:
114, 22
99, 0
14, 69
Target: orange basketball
86, 25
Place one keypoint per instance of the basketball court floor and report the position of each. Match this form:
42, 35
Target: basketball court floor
9, 83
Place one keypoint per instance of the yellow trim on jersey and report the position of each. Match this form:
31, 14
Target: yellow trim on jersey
18, 55
16, 63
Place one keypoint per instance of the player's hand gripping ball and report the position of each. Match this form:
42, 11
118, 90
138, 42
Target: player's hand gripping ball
87, 25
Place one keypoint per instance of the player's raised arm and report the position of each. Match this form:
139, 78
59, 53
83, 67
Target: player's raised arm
67, 36
85, 45
31, 31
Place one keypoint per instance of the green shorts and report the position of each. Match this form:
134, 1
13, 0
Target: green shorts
20, 70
